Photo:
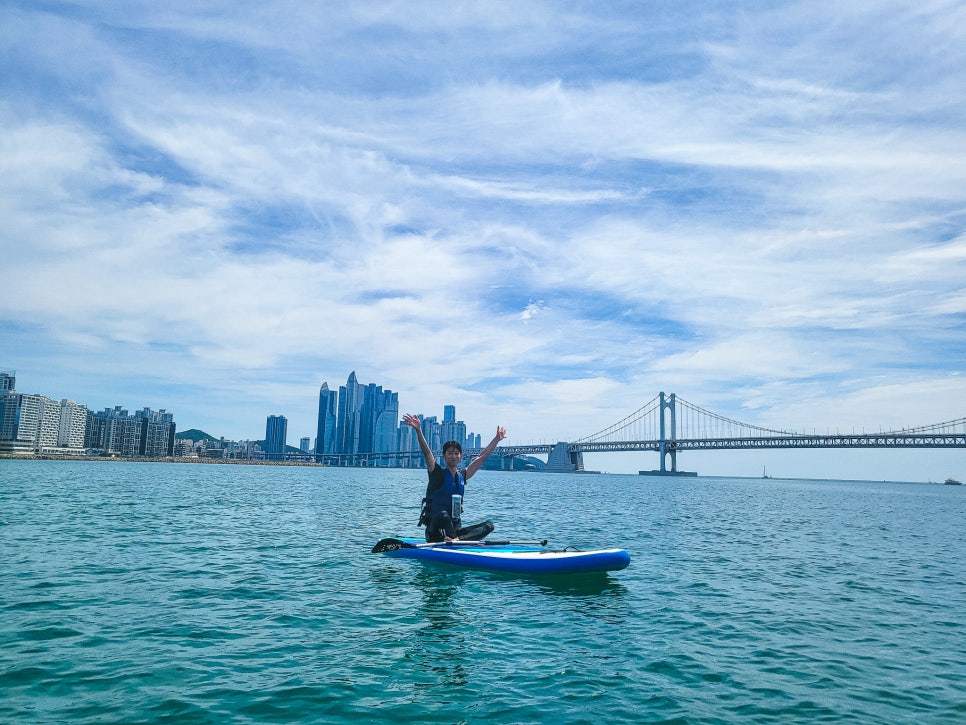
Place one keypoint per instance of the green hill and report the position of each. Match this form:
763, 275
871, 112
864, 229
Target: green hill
194, 435
288, 448
516, 463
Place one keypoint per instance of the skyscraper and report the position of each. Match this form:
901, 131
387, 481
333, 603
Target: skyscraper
452, 429
325, 437
362, 419
380, 418
432, 431
350, 415
275, 432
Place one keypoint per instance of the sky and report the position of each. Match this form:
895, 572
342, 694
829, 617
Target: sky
543, 213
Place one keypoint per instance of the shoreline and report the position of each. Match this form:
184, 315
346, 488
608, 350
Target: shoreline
312, 464
119, 459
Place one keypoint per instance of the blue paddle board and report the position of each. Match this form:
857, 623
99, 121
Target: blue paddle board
526, 558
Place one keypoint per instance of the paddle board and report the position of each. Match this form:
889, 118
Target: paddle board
518, 558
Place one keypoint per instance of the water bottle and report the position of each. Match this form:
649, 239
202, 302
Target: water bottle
457, 506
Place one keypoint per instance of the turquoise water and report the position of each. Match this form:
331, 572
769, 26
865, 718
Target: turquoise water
149, 593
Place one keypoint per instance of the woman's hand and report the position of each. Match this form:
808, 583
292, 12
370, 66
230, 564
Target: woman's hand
412, 421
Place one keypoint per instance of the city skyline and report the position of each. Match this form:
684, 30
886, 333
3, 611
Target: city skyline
542, 213
360, 424
153, 434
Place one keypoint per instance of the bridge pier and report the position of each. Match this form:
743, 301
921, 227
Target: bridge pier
674, 460
561, 460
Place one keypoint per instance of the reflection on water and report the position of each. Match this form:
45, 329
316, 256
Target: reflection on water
440, 582
438, 590
441, 645
580, 585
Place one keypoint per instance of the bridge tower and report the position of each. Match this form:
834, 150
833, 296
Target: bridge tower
668, 403
667, 445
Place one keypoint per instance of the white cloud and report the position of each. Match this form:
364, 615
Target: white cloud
544, 226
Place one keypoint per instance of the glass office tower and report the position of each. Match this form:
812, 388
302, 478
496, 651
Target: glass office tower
275, 432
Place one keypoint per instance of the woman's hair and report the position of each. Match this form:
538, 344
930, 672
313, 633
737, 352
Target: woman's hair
452, 444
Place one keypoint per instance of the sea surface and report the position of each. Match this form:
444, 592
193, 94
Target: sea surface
192, 593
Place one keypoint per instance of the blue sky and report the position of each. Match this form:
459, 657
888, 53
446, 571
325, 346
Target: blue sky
542, 213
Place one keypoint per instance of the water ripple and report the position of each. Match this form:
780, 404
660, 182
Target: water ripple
207, 594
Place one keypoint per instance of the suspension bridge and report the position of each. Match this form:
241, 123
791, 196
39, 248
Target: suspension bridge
668, 424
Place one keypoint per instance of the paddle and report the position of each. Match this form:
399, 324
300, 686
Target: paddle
396, 544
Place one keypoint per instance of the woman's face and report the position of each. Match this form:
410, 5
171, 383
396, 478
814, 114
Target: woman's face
452, 456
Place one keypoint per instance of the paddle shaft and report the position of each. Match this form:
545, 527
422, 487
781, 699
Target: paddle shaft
483, 543
394, 544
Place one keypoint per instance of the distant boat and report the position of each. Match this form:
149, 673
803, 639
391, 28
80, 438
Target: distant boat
764, 474
953, 482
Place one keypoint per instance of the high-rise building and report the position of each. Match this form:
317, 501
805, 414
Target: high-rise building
19, 422
361, 419
350, 415
275, 432
380, 418
48, 423
8, 416
121, 433
8, 380
73, 424
432, 432
147, 433
304, 444
452, 429
325, 437
156, 433
459, 432
406, 440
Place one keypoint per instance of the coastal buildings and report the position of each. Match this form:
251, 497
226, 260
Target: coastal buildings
39, 425
358, 424
147, 433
